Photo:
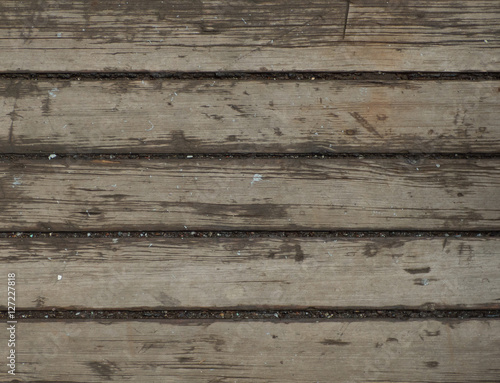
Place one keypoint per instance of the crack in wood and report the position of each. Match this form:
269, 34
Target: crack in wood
348, 5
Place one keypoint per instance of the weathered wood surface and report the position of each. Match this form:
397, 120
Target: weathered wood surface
214, 35
226, 351
250, 194
250, 273
196, 116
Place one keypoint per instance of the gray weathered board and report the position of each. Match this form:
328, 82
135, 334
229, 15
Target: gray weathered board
245, 35
250, 194
279, 352
249, 273
224, 116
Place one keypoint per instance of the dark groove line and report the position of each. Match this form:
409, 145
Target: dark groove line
249, 234
346, 18
249, 76
269, 314
408, 157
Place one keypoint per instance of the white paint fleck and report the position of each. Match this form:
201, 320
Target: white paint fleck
425, 282
256, 178
115, 240
189, 156
59, 277
59, 34
438, 166
242, 19
52, 156
17, 182
52, 92
152, 127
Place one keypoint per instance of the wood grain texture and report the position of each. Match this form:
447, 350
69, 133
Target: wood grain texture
215, 35
195, 116
250, 194
226, 351
253, 273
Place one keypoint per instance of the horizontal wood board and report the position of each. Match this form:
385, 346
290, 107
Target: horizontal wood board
225, 116
215, 35
250, 194
226, 351
252, 273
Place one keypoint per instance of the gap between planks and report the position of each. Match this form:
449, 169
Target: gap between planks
257, 315
249, 234
378, 76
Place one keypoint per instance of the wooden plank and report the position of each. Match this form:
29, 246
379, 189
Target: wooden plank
197, 116
250, 194
253, 273
227, 351
244, 35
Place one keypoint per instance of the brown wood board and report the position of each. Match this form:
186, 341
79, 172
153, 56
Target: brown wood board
252, 273
226, 116
250, 194
227, 351
318, 35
